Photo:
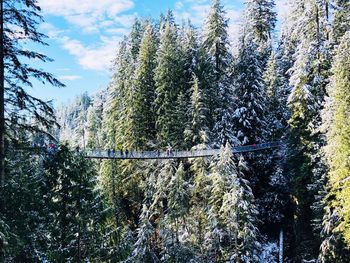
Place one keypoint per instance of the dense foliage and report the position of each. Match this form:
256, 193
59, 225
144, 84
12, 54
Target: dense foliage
175, 86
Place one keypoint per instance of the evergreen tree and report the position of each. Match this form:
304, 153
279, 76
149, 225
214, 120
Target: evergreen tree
70, 200
248, 119
21, 19
144, 108
25, 212
94, 121
335, 247
167, 75
341, 20
232, 218
115, 120
135, 39
261, 20
276, 96
308, 79
197, 131
219, 93
19, 110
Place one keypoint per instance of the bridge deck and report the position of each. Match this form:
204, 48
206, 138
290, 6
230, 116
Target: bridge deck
103, 154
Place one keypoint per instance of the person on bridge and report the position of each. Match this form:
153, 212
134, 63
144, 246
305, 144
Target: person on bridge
109, 152
126, 153
254, 145
121, 153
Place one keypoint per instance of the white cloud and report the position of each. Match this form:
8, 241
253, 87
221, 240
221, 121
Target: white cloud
89, 15
73, 7
51, 30
69, 77
92, 57
179, 5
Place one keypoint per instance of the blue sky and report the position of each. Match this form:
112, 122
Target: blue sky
84, 36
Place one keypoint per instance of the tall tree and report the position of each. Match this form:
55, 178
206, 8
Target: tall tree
336, 243
22, 110
261, 20
309, 76
250, 100
70, 201
167, 76
143, 104
94, 120
197, 131
232, 216
341, 20
219, 93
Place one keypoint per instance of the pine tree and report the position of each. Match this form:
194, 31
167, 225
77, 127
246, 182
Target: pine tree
250, 99
21, 19
232, 218
308, 78
261, 20
336, 228
25, 215
135, 39
274, 197
173, 226
167, 75
197, 132
341, 22
143, 104
276, 96
143, 250
115, 120
219, 93
19, 110
70, 201
94, 121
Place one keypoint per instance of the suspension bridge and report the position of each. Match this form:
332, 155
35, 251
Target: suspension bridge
174, 154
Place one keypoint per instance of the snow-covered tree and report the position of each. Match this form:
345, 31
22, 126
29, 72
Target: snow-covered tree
95, 119
250, 100
233, 234
308, 80
219, 93
341, 20
260, 21
143, 103
167, 75
197, 131
70, 201
336, 220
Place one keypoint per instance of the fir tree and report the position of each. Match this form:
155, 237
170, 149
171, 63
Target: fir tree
94, 121
70, 200
336, 230
341, 22
167, 75
144, 108
248, 118
261, 20
197, 132
232, 217
26, 213
219, 93
308, 79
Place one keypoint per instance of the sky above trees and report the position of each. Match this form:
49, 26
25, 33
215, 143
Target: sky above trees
84, 36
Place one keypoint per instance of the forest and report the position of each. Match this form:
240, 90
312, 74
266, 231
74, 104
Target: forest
177, 86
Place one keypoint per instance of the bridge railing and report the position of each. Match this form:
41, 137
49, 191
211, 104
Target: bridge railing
174, 153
